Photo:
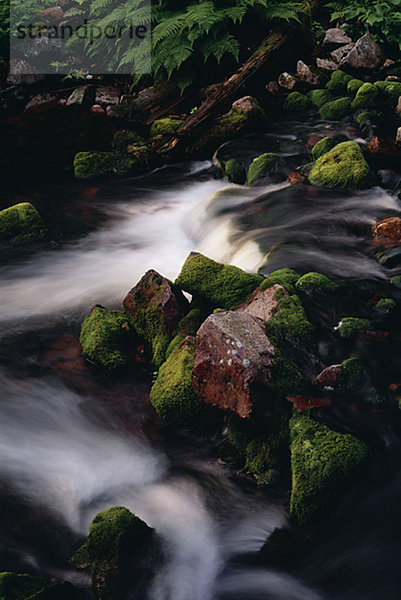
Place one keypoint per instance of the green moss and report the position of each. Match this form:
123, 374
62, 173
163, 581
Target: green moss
381, 85
352, 373
222, 286
363, 118
353, 86
338, 82
344, 166
115, 536
165, 126
366, 96
234, 171
312, 282
396, 281
385, 305
323, 146
290, 320
93, 164
18, 587
335, 110
188, 325
59, 591
123, 138
104, 338
173, 396
353, 326
264, 456
21, 221
392, 89
142, 155
297, 102
322, 461
284, 277
319, 97
261, 166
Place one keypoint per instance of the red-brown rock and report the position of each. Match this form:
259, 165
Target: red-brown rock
329, 377
388, 230
296, 177
233, 363
305, 404
53, 13
262, 304
382, 147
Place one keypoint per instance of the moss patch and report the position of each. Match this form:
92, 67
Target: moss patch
344, 166
322, 461
261, 166
222, 286
338, 82
291, 320
21, 222
15, 586
297, 102
284, 277
336, 110
165, 126
352, 373
366, 96
353, 86
123, 138
234, 171
188, 325
93, 164
320, 97
353, 326
315, 282
322, 146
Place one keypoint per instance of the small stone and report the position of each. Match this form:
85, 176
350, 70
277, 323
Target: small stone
306, 75
329, 377
366, 54
388, 230
295, 178
262, 304
287, 81
82, 96
97, 109
382, 147
273, 87
387, 64
340, 53
326, 65
336, 37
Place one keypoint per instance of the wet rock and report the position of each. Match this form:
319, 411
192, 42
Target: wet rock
82, 96
336, 37
155, 308
306, 75
107, 95
296, 177
344, 166
53, 13
261, 166
381, 147
233, 363
366, 54
97, 109
273, 87
326, 64
287, 81
388, 231
329, 377
262, 304
21, 222
41, 102
340, 53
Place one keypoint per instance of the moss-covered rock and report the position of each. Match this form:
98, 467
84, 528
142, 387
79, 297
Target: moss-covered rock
93, 164
262, 166
165, 126
320, 97
105, 338
21, 222
396, 281
142, 156
344, 166
353, 86
123, 138
315, 282
352, 326
366, 96
385, 305
322, 146
220, 286
338, 82
297, 102
15, 586
364, 118
322, 462
391, 89
234, 171
291, 320
352, 373
173, 395
188, 326
285, 277
118, 541
336, 110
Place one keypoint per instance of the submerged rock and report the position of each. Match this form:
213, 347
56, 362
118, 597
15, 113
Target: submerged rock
233, 364
155, 307
21, 222
344, 166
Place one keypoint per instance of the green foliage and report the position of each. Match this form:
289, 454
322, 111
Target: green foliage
20, 222
344, 166
261, 166
291, 320
382, 18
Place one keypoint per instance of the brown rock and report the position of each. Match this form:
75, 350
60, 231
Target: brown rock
326, 65
41, 102
305, 404
287, 81
336, 37
233, 363
382, 147
340, 53
273, 87
296, 177
388, 63
366, 54
107, 95
306, 75
97, 109
262, 303
329, 377
388, 230
53, 13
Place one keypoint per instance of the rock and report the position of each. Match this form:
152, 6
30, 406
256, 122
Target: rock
336, 109
381, 147
53, 13
155, 308
344, 166
366, 96
306, 75
273, 87
21, 222
296, 177
320, 97
93, 164
398, 135
352, 327
233, 363
398, 107
218, 285
283, 277
82, 96
124, 138
322, 463
329, 377
105, 338
107, 95
165, 126
388, 231
287, 81
305, 404
41, 102
336, 37
340, 53
353, 86
322, 146
315, 282
261, 166
97, 109
234, 171
290, 321
173, 395
366, 54
262, 304
297, 102
326, 64
338, 82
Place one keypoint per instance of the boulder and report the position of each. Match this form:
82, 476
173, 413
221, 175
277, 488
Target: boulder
262, 304
306, 75
233, 364
261, 166
297, 102
335, 37
234, 171
336, 109
344, 166
155, 307
340, 53
93, 164
366, 96
21, 222
388, 231
287, 81
366, 54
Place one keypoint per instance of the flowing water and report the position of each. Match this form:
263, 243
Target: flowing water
64, 454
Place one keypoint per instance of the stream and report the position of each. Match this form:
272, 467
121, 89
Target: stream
73, 442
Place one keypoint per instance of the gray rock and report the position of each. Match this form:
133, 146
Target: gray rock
340, 53
326, 64
366, 54
82, 96
336, 37
306, 75
107, 95
41, 102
